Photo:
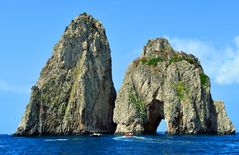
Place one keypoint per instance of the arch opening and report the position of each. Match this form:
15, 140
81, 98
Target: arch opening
155, 114
162, 127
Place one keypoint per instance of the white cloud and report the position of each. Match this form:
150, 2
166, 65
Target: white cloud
7, 87
221, 64
236, 40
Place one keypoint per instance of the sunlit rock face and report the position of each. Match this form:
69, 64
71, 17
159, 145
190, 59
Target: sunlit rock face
75, 92
166, 84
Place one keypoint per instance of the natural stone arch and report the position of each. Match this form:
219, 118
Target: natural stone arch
176, 79
155, 114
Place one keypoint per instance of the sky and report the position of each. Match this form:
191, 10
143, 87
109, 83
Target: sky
29, 29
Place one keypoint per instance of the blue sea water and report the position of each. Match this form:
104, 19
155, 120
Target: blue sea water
112, 144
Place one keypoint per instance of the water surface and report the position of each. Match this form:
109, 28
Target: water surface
111, 144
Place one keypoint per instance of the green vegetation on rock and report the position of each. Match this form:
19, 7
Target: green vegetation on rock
154, 61
148, 61
162, 55
177, 57
180, 89
204, 79
135, 99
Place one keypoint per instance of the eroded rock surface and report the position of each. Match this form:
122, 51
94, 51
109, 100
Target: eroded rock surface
75, 92
224, 125
170, 85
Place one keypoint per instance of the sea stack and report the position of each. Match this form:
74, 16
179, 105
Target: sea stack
170, 85
75, 92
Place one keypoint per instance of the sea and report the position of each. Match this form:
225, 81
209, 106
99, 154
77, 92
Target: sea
113, 145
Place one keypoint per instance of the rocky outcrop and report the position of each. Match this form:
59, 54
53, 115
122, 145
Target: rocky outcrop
170, 85
75, 92
223, 123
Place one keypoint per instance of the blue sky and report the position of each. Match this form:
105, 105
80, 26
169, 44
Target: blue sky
29, 29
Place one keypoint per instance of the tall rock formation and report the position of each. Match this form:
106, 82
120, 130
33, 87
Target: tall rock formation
170, 85
75, 92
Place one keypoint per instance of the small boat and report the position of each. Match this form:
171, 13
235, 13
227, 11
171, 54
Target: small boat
129, 134
95, 134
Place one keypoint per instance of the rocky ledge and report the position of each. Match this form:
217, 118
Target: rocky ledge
165, 84
75, 92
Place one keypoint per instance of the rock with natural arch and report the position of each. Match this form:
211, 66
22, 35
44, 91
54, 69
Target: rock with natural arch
170, 85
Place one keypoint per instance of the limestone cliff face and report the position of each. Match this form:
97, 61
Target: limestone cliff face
170, 85
75, 92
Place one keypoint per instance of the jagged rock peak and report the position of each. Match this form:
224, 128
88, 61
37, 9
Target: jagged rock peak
159, 50
163, 84
75, 92
83, 20
156, 45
